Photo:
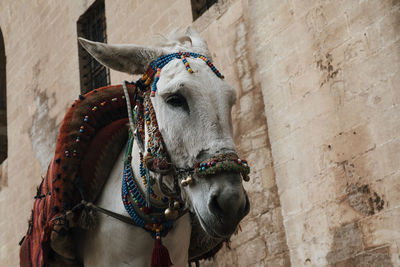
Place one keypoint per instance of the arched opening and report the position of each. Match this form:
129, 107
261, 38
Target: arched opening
3, 102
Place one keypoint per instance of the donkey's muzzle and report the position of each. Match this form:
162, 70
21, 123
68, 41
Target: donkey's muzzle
228, 204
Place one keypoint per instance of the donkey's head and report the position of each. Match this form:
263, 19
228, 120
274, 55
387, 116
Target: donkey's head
194, 117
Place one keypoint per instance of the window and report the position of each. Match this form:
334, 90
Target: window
92, 26
3, 102
201, 6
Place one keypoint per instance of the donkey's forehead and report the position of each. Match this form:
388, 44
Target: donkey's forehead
174, 76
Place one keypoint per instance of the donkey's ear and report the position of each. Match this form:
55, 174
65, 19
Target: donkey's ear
126, 58
197, 41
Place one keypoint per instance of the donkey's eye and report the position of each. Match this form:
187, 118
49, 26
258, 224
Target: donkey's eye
177, 100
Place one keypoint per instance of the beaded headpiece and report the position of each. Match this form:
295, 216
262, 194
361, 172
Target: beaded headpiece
144, 111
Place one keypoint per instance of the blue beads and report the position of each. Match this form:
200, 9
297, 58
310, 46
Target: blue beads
129, 188
160, 62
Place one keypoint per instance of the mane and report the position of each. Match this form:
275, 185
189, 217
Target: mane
176, 40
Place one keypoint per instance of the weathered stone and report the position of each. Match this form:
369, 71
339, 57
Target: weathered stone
370, 258
347, 242
251, 253
3, 174
276, 243
249, 229
282, 260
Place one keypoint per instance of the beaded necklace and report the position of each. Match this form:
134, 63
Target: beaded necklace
144, 213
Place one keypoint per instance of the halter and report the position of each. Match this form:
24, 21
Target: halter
154, 213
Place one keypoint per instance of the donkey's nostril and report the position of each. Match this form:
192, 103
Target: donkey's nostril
214, 206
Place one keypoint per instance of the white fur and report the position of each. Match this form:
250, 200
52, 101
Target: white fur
203, 131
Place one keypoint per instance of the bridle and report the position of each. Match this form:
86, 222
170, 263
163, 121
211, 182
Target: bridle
153, 213
157, 158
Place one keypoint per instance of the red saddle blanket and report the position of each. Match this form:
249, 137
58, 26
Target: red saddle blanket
91, 137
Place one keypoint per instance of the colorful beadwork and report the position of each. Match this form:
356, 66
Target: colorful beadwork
83, 128
154, 87
186, 63
223, 163
157, 65
150, 218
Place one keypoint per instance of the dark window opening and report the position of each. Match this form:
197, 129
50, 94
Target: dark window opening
3, 102
92, 26
201, 6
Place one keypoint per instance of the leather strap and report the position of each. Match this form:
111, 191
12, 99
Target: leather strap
115, 215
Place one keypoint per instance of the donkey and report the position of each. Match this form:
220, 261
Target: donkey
193, 110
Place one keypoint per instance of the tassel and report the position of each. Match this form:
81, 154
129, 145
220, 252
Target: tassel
88, 218
160, 256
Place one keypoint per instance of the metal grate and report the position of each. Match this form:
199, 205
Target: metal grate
201, 6
3, 103
92, 26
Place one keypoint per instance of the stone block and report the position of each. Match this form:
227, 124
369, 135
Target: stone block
292, 206
263, 201
249, 229
271, 222
278, 17
251, 253
3, 174
394, 82
303, 85
361, 15
390, 186
373, 258
276, 243
282, 260
300, 8
387, 153
225, 258
347, 242
267, 177
339, 212
389, 26
381, 228
350, 144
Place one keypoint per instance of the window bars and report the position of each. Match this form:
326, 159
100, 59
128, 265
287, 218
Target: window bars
201, 6
92, 26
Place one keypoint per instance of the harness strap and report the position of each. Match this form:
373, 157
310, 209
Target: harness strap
129, 107
120, 217
110, 213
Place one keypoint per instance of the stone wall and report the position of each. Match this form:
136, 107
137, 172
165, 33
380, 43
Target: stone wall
261, 240
331, 91
42, 80
325, 184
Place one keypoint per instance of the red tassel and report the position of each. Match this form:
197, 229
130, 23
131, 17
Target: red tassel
160, 256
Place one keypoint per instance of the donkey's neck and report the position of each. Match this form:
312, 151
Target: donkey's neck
114, 243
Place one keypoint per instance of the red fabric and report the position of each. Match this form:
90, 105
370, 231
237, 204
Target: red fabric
73, 173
